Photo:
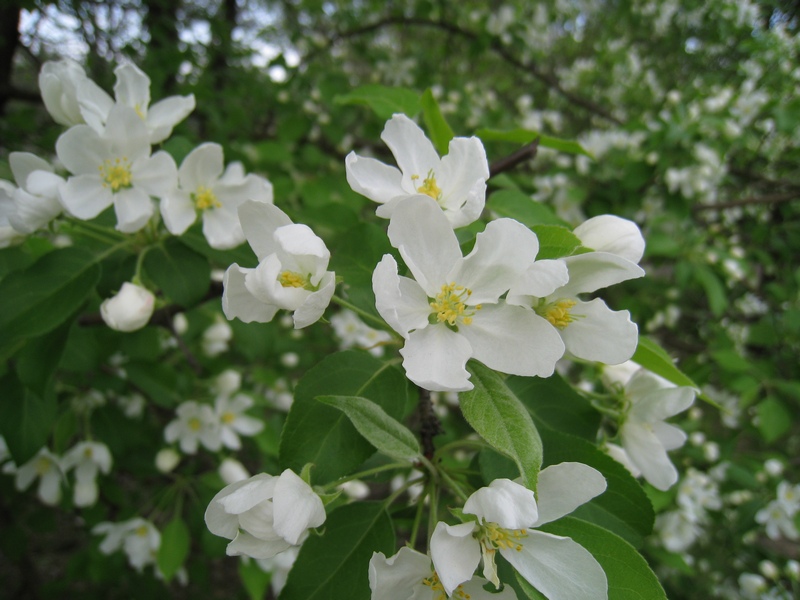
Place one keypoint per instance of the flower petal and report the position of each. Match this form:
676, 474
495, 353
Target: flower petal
464, 165
244, 495
259, 221
132, 88
648, 454
373, 179
600, 334
509, 504
596, 270
564, 487
541, 279
81, 150
395, 578
238, 302
455, 553
609, 233
85, 197
297, 507
202, 166
222, 229
95, 104
133, 208
313, 307
165, 114
435, 358
558, 567
401, 302
157, 174
413, 151
178, 211
661, 404
23, 164
513, 340
247, 545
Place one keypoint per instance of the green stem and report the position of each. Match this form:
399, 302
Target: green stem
454, 486
364, 314
605, 410
110, 234
367, 473
479, 444
418, 515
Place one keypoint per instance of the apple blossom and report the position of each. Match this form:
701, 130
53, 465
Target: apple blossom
408, 575
265, 514
291, 273
506, 513
114, 166
87, 458
8, 235
47, 467
452, 310
36, 200
203, 187
137, 537
130, 309
233, 421
58, 83
457, 181
195, 424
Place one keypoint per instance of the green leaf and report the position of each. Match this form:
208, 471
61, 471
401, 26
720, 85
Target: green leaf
174, 547
254, 579
322, 435
715, 290
157, 380
382, 431
629, 575
26, 419
526, 136
523, 208
384, 101
335, 566
41, 297
40, 357
554, 403
439, 130
654, 358
774, 420
556, 242
502, 420
182, 274
624, 507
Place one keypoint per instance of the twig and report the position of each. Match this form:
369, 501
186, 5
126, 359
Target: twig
774, 198
512, 160
429, 423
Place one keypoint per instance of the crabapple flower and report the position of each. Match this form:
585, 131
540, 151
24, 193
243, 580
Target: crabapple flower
130, 309
195, 424
457, 181
451, 311
233, 421
408, 575
8, 235
137, 537
217, 337
590, 330
204, 188
353, 332
47, 467
58, 83
114, 166
645, 436
291, 274
506, 513
132, 89
87, 458
35, 199
265, 515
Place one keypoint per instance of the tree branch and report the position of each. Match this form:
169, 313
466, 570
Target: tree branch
507, 163
430, 426
772, 199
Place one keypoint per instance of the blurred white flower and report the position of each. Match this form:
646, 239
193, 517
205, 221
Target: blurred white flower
194, 424
167, 459
232, 420
130, 309
47, 467
58, 83
217, 338
88, 459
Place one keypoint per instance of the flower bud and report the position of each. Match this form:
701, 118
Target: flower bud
130, 309
167, 459
58, 82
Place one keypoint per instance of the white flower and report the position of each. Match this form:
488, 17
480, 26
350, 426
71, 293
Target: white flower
789, 497
233, 421
291, 274
353, 332
777, 521
204, 188
132, 90
408, 575
231, 470
195, 424
58, 83
618, 454
227, 382
612, 234
264, 515
47, 467
8, 235
452, 311
217, 337
87, 458
36, 200
167, 459
279, 567
141, 543
114, 166
130, 309
677, 530
457, 182
506, 512
644, 434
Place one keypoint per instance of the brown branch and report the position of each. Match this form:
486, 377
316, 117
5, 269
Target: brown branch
512, 160
430, 426
496, 45
773, 199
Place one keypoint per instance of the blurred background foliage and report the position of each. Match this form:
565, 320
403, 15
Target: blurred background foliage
690, 112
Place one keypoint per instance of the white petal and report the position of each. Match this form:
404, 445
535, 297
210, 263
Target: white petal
514, 340
222, 228
660, 404
426, 241
596, 270
564, 487
670, 436
394, 578
244, 495
474, 591
81, 150
313, 307
297, 507
85, 197
95, 104
600, 334
238, 302
646, 452
455, 553
435, 358
301, 250
23, 164
43, 183
401, 302
202, 166
178, 211
85, 493
559, 568
127, 133
413, 151
259, 222
157, 175
464, 164
502, 252
132, 88
609, 233
541, 279
247, 545
472, 208
133, 208
263, 283
373, 179
49, 490
32, 212
509, 504
165, 114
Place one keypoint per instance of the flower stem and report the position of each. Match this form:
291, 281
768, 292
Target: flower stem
366, 473
363, 314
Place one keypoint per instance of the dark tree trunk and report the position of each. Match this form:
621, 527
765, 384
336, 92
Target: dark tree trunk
9, 40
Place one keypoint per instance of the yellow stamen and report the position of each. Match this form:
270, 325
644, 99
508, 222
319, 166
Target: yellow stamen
204, 198
292, 279
437, 587
496, 538
141, 531
228, 417
116, 174
429, 186
449, 306
43, 465
87, 452
137, 107
195, 424
558, 313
